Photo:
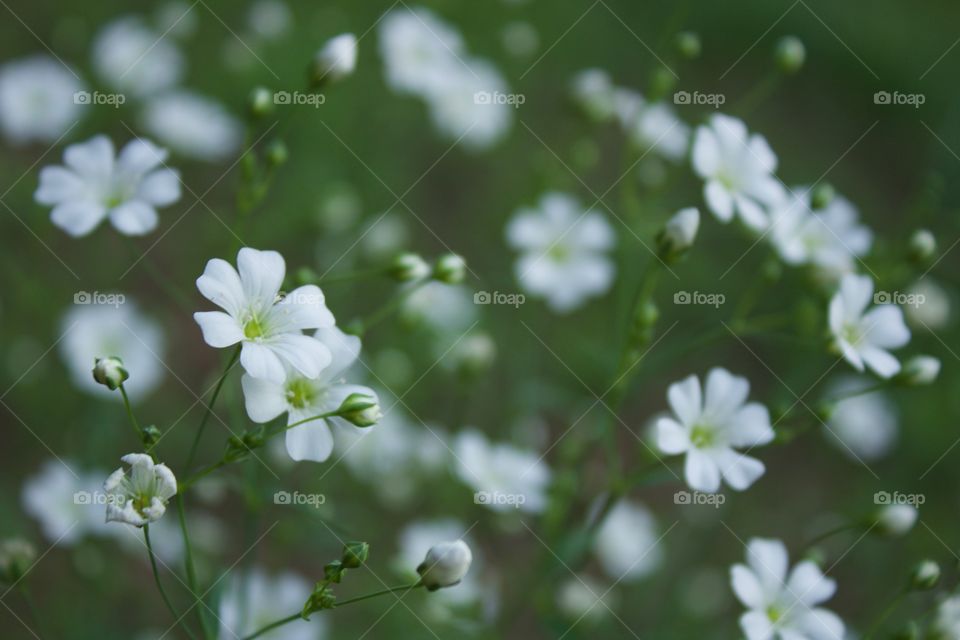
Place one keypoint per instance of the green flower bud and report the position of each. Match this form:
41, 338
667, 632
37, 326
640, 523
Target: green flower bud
321, 598
110, 372
355, 554
688, 44
923, 245
450, 269
277, 153
409, 266
662, 82
150, 435
261, 102
919, 370
925, 576
790, 54
823, 194
360, 409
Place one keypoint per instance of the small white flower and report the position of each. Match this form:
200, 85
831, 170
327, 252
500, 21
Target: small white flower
932, 310
61, 497
709, 427
336, 59
133, 58
301, 398
627, 542
445, 565
738, 169
254, 600
139, 495
656, 127
463, 107
947, 621
864, 338
192, 125
897, 519
564, 251
418, 49
268, 326
443, 308
269, 19
779, 605
38, 99
593, 91
863, 426
97, 183
504, 478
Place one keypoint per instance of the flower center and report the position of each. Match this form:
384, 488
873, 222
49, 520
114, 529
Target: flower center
300, 393
702, 436
775, 613
852, 334
253, 329
559, 252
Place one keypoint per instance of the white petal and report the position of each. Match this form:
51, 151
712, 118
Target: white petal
344, 350
884, 327
265, 400
747, 587
738, 470
220, 284
751, 213
882, 362
762, 153
685, 400
78, 218
719, 200
768, 559
310, 441
593, 231
756, 625
750, 427
836, 314
856, 292
166, 482
306, 354
261, 273
58, 184
160, 188
701, 472
808, 584
526, 231
219, 329
723, 394
672, 438
260, 361
134, 218
140, 156
303, 308
91, 159
821, 624
706, 153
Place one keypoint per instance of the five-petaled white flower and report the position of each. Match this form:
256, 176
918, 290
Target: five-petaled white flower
782, 605
864, 338
139, 495
269, 326
564, 251
708, 427
97, 183
738, 169
302, 398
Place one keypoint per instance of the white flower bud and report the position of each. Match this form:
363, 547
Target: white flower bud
409, 266
790, 54
445, 565
896, 519
920, 370
336, 60
139, 495
925, 575
261, 102
681, 230
450, 269
110, 372
360, 409
923, 245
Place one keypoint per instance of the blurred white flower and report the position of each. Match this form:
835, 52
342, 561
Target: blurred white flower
583, 598
336, 59
470, 105
593, 91
656, 127
864, 338
301, 398
91, 331
947, 621
563, 251
254, 600
61, 497
418, 50
503, 477
780, 605
897, 519
738, 169
38, 99
627, 543
192, 125
444, 308
445, 565
269, 19
709, 427
98, 183
863, 426
932, 310
270, 327
415, 541
139, 495
920, 370
132, 58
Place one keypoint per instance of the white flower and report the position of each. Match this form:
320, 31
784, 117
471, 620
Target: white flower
192, 125
268, 326
657, 128
133, 58
445, 565
97, 183
254, 600
947, 621
864, 426
470, 106
593, 91
60, 496
442, 307
91, 331
738, 169
301, 397
932, 308
564, 251
415, 541
337, 58
139, 495
269, 19
627, 542
418, 50
710, 426
503, 477
780, 605
897, 519
681, 229
37, 99
864, 338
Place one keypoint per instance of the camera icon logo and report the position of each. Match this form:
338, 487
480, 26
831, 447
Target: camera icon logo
482, 97
281, 97
882, 297
482, 497
882, 97
82, 497
82, 97
681, 297
681, 97
482, 297
81, 297
882, 497
682, 497
282, 497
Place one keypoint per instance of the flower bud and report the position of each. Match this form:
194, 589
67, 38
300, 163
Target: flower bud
277, 153
360, 409
260, 102
409, 266
925, 575
662, 82
790, 54
896, 519
823, 194
110, 372
679, 233
688, 44
923, 245
450, 269
335, 60
445, 565
474, 354
920, 370
16, 557
355, 554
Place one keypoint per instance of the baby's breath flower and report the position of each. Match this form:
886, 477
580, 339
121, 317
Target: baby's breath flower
864, 338
335, 60
790, 54
925, 575
450, 269
16, 557
409, 266
139, 495
896, 519
110, 372
445, 565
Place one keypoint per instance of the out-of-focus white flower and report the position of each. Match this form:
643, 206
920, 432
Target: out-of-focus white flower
627, 542
738, 169
97, 183
418, 50
38, 99
92, 330
656, 128
920, 370
415, 542
709, 427
931, 310
336, 59
504, 478
440, 306
781, 605
254, 600
864, 338
192, 125
470, 105
947, 622
863, 426
593, 91
583, 598
269, 19
302, 398
269, 326
62, 498
132, 58
564, 251
139, 495
445, 565
897, 519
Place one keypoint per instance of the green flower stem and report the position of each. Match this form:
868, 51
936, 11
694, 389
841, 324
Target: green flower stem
156, 578
859, 392
830, 533
274, 625
759, 93
35, 611
349, 276
894, 603
209, 406
133, 419
188, 562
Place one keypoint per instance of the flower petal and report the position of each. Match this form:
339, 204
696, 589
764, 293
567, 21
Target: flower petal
310, 441
306, 354
160, 188
219, 329
134, 218
672, 438
884, 327
724, 393
91, 159
882, 362
718, 200
261, 361
747, 587
768, 559
808, 584
78, 218
303, 308
344, 350
261, 273
58, 184
139, 156
821, 624
738, 470
220, 284
701, 472
264, 400
685, 400
750, 427
756, 625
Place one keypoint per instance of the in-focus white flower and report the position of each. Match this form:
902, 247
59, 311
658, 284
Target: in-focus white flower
897, 519
563, 251
710, 426
418, 50
97, 183
91, 331
947, 622
581, 598
415, 541
780, 605
192, 125
627, 543
270, 327
593, 91
139, 495
254, 600
445, 565
864, 338
132, 58
504, 478
61, 496
336, 59
738, 169
38, 99
863, 426
269, 19
301, 397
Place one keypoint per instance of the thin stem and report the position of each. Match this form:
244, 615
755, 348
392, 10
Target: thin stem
209, 407
859, 392
133, 419
897, 600
156, 578
274, 625
830, 533
202, 474
188, 560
